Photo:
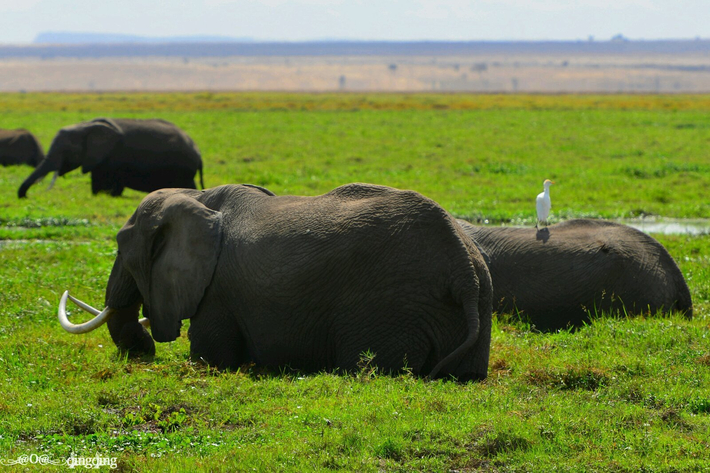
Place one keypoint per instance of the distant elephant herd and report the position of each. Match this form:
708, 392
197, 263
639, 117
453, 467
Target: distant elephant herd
313, 283
144, 155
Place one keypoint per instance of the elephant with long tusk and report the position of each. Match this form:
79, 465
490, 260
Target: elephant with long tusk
306, 282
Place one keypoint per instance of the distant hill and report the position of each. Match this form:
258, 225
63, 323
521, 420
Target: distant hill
191, 48
61, 37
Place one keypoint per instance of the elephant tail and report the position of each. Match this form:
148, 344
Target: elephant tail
465, 347
476, 296
471, 285
202, 183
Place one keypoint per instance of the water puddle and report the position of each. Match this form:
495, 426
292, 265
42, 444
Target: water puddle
16, 243
664, 226
670, 226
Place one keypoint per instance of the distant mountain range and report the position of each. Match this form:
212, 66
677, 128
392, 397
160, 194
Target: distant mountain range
87, 45
63, 37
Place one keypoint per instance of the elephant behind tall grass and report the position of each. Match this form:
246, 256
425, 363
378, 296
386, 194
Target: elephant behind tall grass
557, 277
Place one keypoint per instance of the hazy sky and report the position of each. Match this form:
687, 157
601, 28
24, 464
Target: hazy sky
295, 20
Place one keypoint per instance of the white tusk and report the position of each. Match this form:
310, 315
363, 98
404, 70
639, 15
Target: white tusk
54, 178
83, 305
86, 327
92, 310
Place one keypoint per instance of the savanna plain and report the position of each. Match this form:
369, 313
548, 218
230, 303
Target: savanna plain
619, 394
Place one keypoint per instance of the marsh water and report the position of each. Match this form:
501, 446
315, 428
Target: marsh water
664, 226
670, 226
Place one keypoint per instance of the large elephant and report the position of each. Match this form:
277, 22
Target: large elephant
19, 147
557, 276
308, 282
144, 155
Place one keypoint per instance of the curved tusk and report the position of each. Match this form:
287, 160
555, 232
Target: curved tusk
83, 305
92, 324
54, 179
92, 310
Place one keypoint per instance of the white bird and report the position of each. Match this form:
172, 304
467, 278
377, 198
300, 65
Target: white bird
543, 204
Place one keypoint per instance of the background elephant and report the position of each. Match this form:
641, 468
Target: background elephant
19, 147
144, 155
554, 277
309, 282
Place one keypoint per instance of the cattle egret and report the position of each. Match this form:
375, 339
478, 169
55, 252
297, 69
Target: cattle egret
543, 204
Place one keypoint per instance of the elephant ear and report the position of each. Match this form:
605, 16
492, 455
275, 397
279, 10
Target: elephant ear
177, 261
102, 136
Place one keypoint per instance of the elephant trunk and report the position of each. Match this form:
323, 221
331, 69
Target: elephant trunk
122, 295
38, 156
129, 333
40, 171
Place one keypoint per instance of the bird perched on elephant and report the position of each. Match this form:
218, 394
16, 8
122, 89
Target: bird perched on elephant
556, 279
543, 204
144, 155
306, 282
19, 146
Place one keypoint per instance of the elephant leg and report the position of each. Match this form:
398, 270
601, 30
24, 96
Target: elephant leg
216, 339
225, 350
101, 182
394, 349
117, 189
95, 185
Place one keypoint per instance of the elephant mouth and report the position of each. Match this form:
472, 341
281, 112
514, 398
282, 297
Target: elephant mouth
100, 316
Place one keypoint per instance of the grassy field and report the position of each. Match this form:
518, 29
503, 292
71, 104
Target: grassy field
617, 395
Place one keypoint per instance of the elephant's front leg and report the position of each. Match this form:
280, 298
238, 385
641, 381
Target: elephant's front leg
117, 189
101, 181
218, 342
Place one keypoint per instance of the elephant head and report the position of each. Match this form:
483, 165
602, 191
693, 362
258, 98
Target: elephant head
85, 144
167, 254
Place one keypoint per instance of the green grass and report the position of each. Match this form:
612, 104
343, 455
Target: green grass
617, 395
480, 163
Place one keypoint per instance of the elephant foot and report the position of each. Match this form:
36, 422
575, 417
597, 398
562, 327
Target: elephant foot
466, 377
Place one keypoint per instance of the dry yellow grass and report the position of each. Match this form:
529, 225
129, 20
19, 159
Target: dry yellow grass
193, 101
479, 73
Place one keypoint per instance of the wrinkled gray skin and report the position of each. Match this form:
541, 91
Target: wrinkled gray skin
305, 282
19, 147
144, 155
554, 276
